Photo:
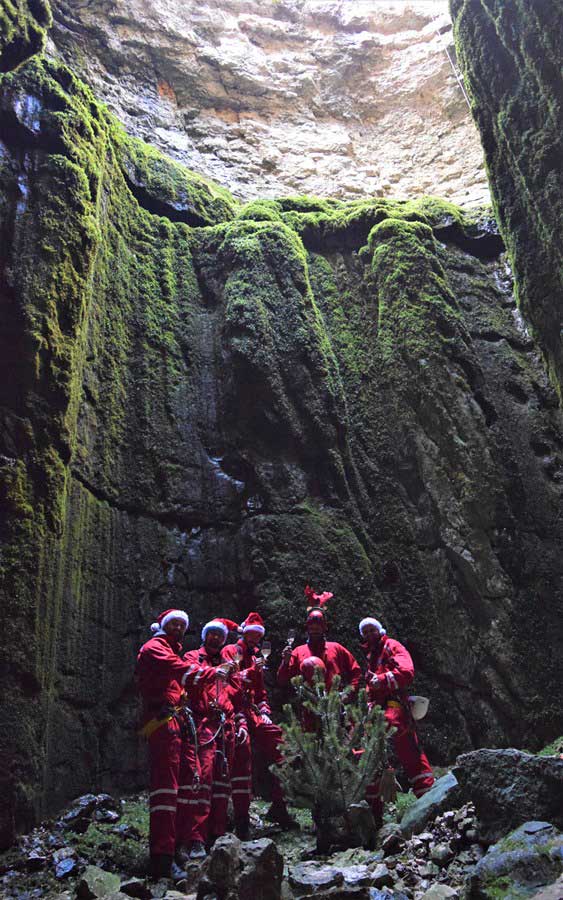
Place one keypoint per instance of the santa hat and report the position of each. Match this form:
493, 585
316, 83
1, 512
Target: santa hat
253, 622
168, 614
224, 625
369, 620
316, 601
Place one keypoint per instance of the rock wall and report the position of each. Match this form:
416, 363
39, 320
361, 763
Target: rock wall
327, 97
511, 57
207, 405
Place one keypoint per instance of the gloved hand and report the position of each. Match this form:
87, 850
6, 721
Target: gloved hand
286, 653
266, 719
246, 676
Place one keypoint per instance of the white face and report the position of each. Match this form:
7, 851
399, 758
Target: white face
252, 638
175, 628
370, 633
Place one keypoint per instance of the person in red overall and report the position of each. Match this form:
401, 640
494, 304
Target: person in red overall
337, 659
257, 732
390, 673
163, 677
215, 707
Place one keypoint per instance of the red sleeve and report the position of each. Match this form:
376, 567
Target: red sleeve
186, 673
396, 671
288, 670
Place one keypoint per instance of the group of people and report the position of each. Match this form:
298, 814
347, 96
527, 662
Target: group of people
206, 712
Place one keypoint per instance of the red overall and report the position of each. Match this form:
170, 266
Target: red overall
390, 672
264, 738
216, 746
162, 678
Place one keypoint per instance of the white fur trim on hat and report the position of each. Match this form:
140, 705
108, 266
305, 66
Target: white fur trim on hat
253, 627
369, 620
158, 627
214, 623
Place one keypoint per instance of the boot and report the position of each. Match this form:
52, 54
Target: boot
242, 828
279, 813
182, 855
160, 865
197, 850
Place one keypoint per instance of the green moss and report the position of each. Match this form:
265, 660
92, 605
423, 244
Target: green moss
179, 193
510, 56
23, 30
555, 748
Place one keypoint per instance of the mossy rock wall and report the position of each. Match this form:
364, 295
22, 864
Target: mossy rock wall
510, 54
208, 406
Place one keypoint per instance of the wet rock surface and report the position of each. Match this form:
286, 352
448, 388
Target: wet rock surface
508, 787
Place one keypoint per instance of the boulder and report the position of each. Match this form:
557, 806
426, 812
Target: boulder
553, 892
441, 892
443, 795
310, 878
96, 883
136, 887
261, 872
509, 787
220, 870
529, 857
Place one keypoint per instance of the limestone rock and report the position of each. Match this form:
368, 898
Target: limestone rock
529, 857
286, 98
509, 787
440, 892
311, 878
441, 795
96, 883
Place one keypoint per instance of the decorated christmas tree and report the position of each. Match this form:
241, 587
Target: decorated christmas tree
334, 747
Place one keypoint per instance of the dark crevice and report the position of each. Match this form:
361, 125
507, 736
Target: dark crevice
486, 245
494, 337
487, 408
158, 207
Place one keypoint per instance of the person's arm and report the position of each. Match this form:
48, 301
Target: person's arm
185, 672
397, 674
289, 667
260, 695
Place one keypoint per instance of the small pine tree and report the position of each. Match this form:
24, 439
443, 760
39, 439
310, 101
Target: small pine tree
324, 768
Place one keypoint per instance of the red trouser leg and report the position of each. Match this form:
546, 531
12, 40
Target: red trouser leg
266, 740
188, 793
202, 798
221, 790
410, 755
241, 779
414, 761
164, 760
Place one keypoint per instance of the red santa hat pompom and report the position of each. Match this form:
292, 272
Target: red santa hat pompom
224, 625
253, 622
316, 601
168, 614
369, 620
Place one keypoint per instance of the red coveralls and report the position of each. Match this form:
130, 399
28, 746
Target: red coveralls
337, 659
393, 668
263, 737
162, 678
215, 755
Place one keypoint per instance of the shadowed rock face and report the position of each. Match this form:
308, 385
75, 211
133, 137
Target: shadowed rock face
344, 99
511, 58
